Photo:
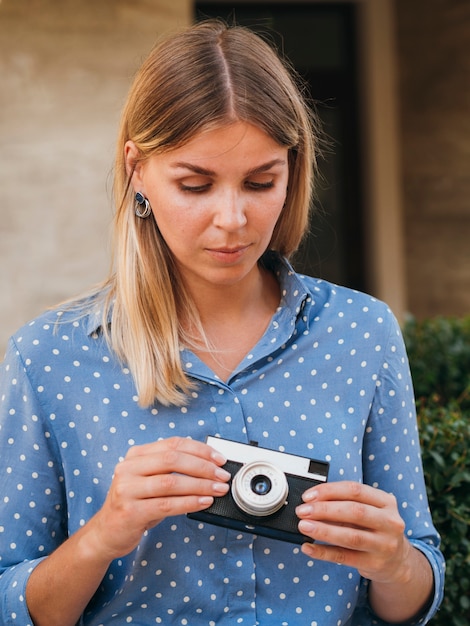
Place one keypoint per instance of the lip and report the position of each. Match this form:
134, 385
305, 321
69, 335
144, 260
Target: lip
228, 254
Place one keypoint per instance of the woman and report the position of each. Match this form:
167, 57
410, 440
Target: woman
203, 328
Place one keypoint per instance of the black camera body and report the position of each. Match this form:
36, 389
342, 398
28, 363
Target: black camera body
265, 489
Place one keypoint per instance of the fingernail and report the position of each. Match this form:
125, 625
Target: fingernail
220, 487
309, 496
218, 458
307, 526
304, 509
222, 474
206, 500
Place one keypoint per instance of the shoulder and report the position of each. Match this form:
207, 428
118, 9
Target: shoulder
73, 324
334, 306
350, 313
325, 294
344, 301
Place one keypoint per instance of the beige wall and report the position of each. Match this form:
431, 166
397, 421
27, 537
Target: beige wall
433, 40
65, 66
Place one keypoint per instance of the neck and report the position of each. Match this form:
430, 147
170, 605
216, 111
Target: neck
258, 293
234, 319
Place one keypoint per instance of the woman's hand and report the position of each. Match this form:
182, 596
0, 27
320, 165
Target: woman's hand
168, 477
360, 526
154, 481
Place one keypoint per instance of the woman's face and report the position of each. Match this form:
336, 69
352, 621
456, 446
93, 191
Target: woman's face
216, 200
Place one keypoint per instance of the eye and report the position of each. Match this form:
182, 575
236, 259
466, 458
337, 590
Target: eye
259, 186
195, 188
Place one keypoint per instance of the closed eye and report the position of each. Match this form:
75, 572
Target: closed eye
257, 186
250, 184
196, 188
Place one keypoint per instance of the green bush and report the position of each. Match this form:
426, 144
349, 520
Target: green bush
439, 353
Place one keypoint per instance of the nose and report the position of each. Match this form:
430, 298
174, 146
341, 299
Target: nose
230, 211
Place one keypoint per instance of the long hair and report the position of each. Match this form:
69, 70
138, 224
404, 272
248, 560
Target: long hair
203, 77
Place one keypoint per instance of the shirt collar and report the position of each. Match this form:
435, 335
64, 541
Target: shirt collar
94, 322
295, 295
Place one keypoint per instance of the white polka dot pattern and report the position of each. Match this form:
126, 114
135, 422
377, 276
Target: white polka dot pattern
329, 380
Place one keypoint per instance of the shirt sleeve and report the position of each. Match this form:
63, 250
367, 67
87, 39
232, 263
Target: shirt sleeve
392, 462
33, 506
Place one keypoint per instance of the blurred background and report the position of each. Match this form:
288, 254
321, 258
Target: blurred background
391, 79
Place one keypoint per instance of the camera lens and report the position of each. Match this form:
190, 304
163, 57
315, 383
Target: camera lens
259, 488
261, 485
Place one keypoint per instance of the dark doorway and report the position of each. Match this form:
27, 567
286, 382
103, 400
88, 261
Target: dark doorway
320, 40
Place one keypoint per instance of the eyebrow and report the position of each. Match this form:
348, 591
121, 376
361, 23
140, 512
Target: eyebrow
206, 172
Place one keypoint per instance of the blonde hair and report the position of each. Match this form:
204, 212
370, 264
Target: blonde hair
205, 76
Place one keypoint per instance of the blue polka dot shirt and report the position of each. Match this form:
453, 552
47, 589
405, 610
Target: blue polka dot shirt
328, 380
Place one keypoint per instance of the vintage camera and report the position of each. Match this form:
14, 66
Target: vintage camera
265, 489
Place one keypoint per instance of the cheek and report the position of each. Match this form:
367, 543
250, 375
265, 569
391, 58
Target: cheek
273, 212
179, 225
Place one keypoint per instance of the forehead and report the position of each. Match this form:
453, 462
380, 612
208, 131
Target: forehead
238, 140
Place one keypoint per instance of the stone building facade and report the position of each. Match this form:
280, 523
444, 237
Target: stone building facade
433, 44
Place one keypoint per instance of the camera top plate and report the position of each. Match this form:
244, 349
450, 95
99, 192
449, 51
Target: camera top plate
289, 463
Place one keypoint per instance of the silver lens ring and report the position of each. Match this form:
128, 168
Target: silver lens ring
260, 488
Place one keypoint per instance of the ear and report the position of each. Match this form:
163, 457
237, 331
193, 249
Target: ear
133, 164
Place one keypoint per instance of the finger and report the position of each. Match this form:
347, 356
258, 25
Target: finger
343, 513
161, 508
171, 485
345, 537
384, 522
370, 557
181, 444
348, 491
167, 460
333, 554
148, 513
